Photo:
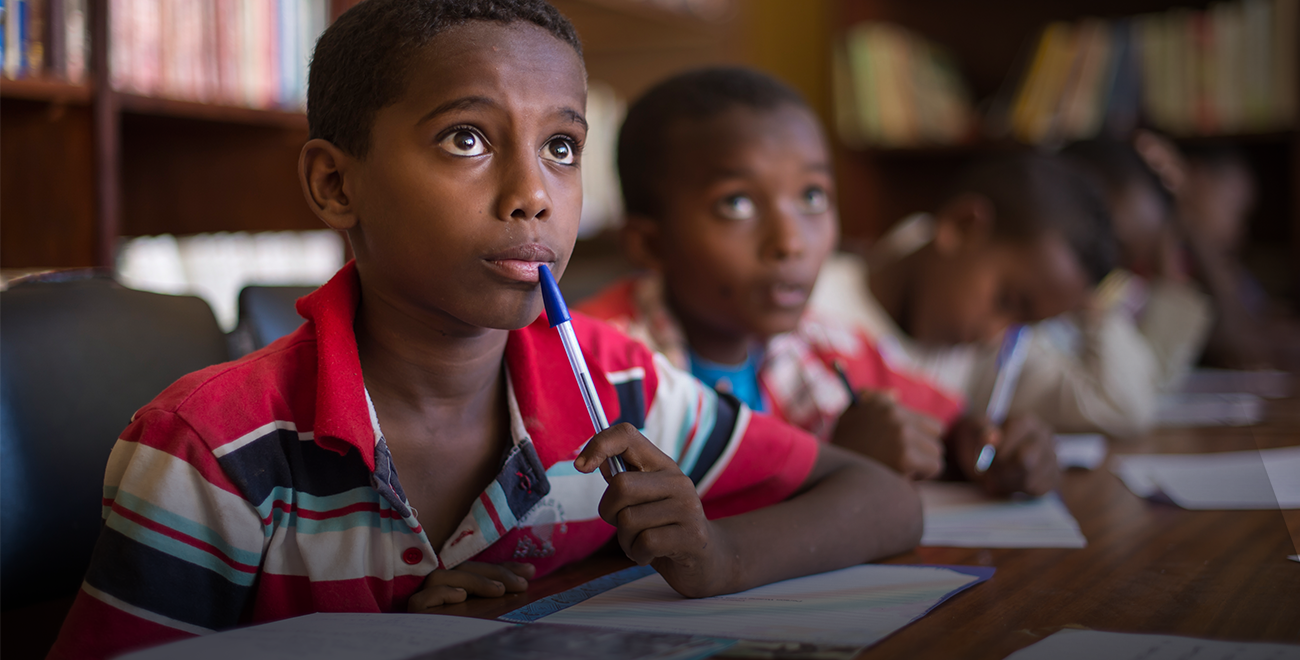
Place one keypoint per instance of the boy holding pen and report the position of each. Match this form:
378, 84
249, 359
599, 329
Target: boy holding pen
731, 210
1019, 238
420, 440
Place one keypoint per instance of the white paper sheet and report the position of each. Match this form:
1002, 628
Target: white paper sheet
961, 515
1179, 409
330, 637
1265, 479
1293, 557
854, 606
1268, 384
1080, 450
1092, 644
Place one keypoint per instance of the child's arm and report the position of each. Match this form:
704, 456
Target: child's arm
849, 510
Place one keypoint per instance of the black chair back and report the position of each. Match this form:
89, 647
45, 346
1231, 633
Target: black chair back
266, 313
78, 357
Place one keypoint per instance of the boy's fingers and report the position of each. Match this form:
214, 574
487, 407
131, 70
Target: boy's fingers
506, 576
634, 520
623, 440
676, 540
522, 569
431, 597
639, 488
472, 583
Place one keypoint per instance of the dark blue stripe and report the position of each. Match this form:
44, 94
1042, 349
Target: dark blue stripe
280, 460
723, 427
523, 479
631, 403
161, 583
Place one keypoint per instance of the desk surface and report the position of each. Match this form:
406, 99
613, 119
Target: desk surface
1148, 567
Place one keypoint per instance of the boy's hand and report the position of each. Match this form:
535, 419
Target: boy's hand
472, 578
657, 512
1026, 454
879, 427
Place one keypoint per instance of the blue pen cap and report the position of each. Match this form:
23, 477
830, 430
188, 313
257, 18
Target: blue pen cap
556, 311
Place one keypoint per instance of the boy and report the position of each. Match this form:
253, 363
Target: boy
419, 440
1214, 192
1022, 238
731, 207
1154, 291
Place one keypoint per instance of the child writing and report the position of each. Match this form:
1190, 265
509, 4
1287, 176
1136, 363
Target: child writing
418, 440
731, 210
1154, 292
1019, 239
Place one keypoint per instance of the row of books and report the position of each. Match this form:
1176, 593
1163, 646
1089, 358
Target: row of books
894, 88
251, 53
45, 39
1227, 69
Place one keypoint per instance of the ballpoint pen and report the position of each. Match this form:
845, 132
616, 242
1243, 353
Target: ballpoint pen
558, 314
1011, 359
848, 386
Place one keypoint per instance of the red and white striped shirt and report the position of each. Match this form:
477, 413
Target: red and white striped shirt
263, 488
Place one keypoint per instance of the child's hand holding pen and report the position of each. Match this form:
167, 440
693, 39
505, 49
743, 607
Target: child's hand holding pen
879, 427
658, 513
1026, 454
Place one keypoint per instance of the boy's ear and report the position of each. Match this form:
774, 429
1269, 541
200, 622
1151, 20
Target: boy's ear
965, 221
641, 238
322, 172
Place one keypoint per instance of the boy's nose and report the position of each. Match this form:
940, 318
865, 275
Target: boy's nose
785, 236
523, 191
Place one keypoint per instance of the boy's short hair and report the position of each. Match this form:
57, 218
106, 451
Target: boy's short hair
361, 62
695, 95
1034, 194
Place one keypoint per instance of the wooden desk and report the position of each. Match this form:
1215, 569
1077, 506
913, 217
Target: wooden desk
1148, 567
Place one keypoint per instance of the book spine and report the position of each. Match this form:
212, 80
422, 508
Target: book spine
76, 40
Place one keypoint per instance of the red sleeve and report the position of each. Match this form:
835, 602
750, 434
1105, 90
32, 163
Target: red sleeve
767, 464
868, 370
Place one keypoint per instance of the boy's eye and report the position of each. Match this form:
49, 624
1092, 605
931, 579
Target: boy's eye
463, 142
815, 200
736, 207
560, 150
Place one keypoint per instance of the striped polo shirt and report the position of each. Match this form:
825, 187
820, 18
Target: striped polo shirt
263, 488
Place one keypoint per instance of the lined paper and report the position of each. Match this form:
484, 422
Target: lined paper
1262, 479
1090, 644
963, 516
856, 606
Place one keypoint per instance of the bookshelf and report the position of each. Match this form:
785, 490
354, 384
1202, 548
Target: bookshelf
989, 41
84, 164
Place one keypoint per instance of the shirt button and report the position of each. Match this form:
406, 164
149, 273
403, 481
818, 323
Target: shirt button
412, 556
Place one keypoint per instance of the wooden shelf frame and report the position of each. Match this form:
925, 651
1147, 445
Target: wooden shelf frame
45, 89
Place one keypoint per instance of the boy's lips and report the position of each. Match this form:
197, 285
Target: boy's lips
788, 295
521, 261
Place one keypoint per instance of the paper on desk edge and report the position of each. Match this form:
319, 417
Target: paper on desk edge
566, 599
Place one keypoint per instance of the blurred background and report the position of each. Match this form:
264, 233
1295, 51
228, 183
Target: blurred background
160, 138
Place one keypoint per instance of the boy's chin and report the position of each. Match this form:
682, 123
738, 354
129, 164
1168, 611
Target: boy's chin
510, 317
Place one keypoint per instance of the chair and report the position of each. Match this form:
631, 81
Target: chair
78, 356
266, 313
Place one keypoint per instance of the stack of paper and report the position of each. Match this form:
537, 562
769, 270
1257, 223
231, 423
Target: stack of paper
1179, 409
330, 637
1080, 450
1264, 479
1089, 644
961, 515
846, 609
